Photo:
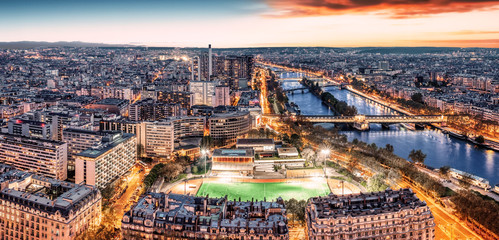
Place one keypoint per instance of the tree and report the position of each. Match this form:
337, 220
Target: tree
417, 156
207, 142
417, 97
389, 148
444, 171
376, 183
308, 154
465, 181
480, 139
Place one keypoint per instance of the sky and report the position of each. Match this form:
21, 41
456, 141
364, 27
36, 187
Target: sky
254, 23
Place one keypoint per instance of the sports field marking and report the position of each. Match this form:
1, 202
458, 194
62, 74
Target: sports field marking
258, 191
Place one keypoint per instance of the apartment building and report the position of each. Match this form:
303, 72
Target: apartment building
175, 216
38, 207
113, 157
41, 156
378, 215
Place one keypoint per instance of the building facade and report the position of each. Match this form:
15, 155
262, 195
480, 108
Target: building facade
79, 140
100, 165
202, 92
379, 215
233, 162
28, 128
37, 207
175, 216
225, 128
44, 157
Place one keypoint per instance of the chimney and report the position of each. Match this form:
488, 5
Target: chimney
210, 63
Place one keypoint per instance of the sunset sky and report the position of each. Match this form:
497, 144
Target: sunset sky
254, 23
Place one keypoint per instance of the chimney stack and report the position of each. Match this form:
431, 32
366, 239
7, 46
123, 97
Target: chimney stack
210, 63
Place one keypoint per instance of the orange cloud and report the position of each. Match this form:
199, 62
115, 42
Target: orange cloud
393, 8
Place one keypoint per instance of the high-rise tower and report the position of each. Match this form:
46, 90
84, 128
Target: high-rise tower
210, 62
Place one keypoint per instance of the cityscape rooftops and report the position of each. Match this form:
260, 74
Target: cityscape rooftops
333, 206
43, 193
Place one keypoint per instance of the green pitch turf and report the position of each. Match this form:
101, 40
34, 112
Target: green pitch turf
271, 191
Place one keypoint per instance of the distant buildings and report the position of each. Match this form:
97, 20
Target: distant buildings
111, 105
150, 110
174, 216
44, 157
222, 96
202, 92
99, 165
37, 207
158, 138
379, 215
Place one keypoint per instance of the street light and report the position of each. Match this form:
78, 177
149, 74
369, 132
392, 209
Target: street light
204, 153
326, 153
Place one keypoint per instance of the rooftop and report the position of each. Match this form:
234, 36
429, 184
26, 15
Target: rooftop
60, 196
333, 206
223, 152
95, 152
255, 141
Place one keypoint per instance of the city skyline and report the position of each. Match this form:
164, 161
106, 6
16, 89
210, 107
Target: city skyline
255, 23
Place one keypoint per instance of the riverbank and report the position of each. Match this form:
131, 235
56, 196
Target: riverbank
494, 143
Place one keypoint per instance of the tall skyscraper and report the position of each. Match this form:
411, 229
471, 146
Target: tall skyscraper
210, 63
202, 92
222, 96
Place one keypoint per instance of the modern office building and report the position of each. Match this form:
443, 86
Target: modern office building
113, 157
157, 139
222, 96
379, 215
225, 128
160, 141
188, 126
233, 162
29, 128
37, 207
175, 216
44, 157
202, 92
79, 140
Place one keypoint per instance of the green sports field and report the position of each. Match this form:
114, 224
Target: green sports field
271, 191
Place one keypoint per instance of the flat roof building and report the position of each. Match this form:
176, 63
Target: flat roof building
44, 157
257, 144
99, 165
233, 161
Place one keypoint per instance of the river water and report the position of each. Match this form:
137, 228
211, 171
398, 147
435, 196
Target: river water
441, 149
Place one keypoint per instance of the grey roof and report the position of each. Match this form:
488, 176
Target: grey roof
95, 152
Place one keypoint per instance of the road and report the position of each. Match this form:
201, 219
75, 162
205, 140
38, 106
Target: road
135, 179
454, 184
447, 225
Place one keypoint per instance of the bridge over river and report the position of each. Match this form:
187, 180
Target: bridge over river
362, 122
